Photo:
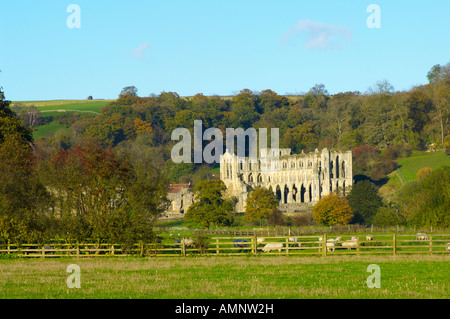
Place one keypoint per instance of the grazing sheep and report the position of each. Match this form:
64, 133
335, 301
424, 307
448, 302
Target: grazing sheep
447, 247
188, 242
421, 236
260, 240
330, 246
240, 243
273, 246
369, 237
352, 243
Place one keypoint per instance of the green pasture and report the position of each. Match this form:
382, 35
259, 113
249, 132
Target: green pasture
228, 277
411, 165
67, 105
50, 109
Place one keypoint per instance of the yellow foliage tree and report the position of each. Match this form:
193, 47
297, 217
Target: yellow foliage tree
423, 172
142, 126
332, 210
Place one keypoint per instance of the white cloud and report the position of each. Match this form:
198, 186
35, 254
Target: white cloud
318, 35
138, 53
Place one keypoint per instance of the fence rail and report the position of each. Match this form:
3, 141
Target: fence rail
318, 245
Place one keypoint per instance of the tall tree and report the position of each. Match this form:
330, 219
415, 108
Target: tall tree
209, 208
260, 204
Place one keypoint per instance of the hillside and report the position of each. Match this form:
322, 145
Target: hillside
408, 168
50, 109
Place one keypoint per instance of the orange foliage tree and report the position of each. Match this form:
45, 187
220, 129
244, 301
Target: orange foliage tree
332, 210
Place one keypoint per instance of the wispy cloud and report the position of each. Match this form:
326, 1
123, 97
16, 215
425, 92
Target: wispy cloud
318, 35
138, 53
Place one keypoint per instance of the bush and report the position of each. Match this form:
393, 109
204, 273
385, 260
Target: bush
388, 216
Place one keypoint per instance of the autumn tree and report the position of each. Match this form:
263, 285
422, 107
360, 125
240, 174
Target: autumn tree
332, 210
260, 204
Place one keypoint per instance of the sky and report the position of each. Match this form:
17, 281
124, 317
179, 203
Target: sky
48, 51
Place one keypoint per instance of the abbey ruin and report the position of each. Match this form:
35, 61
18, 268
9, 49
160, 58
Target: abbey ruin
296, 179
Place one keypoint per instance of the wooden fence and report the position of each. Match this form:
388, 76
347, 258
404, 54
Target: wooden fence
317, 245
324, 245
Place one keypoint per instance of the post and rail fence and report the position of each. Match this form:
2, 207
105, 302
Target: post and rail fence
311, 245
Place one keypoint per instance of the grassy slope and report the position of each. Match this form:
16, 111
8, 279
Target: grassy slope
409, 167
52, 108
228, 277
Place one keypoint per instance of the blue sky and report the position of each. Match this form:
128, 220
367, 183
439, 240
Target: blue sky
216, 47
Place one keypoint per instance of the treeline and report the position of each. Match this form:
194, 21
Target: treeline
380, 124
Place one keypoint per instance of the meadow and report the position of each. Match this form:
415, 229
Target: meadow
51, 108
262, 277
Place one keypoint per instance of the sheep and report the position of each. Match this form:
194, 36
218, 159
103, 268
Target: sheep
369, 237
330, 246
241, 243
447, 247
188, 242
273, 246
260, 240
352, 243
421, 236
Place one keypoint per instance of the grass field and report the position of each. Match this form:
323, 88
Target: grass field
68, 105
55, 107
408, 168
411, 165
228, 277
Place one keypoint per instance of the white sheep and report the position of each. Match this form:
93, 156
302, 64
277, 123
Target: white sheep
352, 243
330, 246
187, 242
260, 240
421, 236
369, 237
273, 246
447, 247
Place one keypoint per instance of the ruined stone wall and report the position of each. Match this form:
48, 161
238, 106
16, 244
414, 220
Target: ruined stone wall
300, 179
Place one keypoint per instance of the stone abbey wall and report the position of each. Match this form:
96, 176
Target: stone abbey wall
297, 180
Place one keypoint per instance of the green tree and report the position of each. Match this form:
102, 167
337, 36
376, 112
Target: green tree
22, 196
209, 208
388, 216
426, 202
364, 201
260, 205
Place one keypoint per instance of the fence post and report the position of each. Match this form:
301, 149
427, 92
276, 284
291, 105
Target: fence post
141, 253
287, 245
394, 244
183, 247
217, 246
324, 244
255, 245
78, 249
9, 247
431, 245
357, 245
112, 249
43, 251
